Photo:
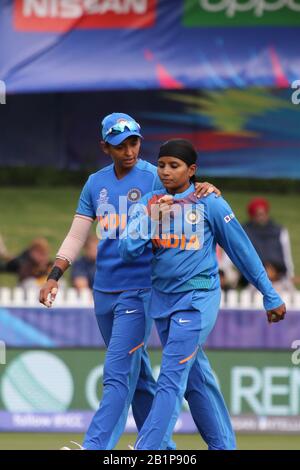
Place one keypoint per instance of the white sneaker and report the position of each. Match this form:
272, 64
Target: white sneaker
130, 447
76, 444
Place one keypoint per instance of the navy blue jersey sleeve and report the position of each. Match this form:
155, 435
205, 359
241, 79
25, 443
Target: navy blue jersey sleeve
231, 236
85, 204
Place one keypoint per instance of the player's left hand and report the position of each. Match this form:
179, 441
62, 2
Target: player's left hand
276, 314
204, 189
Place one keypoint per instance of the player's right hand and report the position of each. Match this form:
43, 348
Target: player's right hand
166, 199
162, 207
276, 314
48, 293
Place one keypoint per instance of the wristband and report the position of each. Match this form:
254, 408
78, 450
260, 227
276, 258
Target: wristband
55, 274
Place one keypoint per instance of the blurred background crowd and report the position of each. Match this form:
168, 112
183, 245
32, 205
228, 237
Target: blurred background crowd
270, 239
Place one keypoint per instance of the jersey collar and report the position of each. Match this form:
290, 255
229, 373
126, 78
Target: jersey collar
190, 189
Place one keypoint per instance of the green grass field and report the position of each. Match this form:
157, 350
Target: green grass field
40, 441
30, 212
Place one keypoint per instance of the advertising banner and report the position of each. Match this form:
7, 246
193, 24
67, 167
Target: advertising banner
58, 45
77, 327
58, 390
229, 13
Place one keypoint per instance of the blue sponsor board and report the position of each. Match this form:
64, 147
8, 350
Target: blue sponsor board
53, 45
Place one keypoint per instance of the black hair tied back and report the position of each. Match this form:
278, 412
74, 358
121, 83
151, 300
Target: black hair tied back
182, 149
179, 148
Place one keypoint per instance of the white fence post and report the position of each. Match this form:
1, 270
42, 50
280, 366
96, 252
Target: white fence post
5, 296
232, 299
71, 298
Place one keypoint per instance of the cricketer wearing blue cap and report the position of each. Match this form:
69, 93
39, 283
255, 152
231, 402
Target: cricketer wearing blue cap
120, 298
185, 298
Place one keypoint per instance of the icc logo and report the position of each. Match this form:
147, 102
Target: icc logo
103, 196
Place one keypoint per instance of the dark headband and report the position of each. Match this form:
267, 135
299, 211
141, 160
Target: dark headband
179, 148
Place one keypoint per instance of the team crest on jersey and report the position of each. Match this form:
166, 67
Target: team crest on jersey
134, 195
103, 196
193, 216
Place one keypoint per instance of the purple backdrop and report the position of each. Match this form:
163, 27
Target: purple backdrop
64, 327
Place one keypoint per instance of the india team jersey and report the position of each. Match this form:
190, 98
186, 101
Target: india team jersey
185, 249
110, 199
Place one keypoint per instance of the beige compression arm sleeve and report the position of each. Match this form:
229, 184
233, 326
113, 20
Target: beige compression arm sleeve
75, 239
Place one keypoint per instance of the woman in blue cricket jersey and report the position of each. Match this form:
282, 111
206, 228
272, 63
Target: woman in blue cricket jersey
121, 290
185, 293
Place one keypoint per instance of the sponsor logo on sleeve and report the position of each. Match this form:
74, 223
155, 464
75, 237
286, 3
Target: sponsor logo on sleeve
229, 217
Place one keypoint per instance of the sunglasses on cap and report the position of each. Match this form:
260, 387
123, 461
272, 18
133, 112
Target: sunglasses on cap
121, 126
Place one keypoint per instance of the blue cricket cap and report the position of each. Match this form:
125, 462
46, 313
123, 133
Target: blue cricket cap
116, 127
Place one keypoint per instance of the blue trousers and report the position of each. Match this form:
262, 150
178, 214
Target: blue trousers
184, 322
127, 378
